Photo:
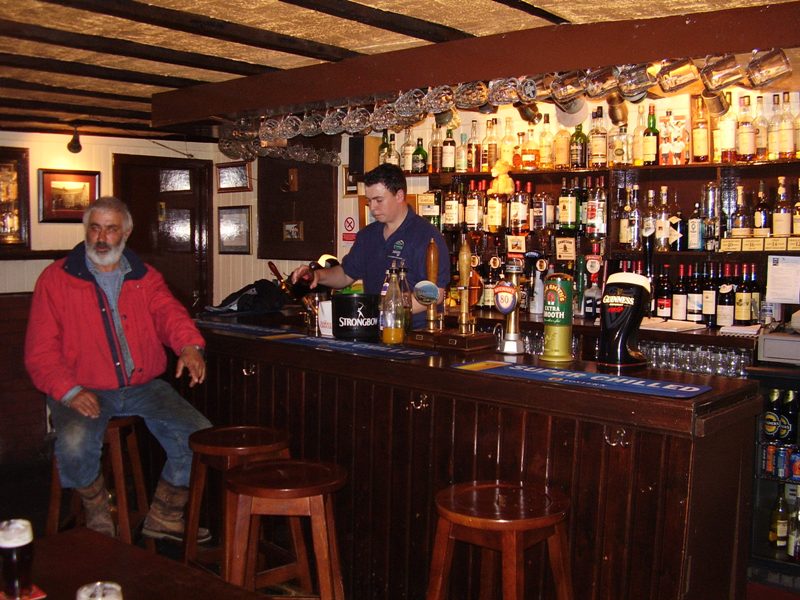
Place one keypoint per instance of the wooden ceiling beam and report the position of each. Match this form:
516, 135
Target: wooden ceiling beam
534, 11
50, 120
22, 84
532, 51
209, 27
52, 65
375, 17
120, 47
78, 109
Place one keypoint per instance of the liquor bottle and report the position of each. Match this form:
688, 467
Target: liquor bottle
568, 210
662, 216
761, 126
665, 140
595, 229
779, 520
680, 296
429, 205
716, 145
663, 294
561, 149
712, 222
742, 220
696, 229
638, 138
473, 209
727, 134
407, 153
619, 147
743, 300
782, 214
462, 161
530, 152
598, 141
762, 214
448, 153
516, 160
787, 434
518, 210
487, 139
710, 296
634, 220
746, 132
592, 299
786, 129
650, 139
495, 213
773, 129
726, 298
436, 152
451, 212
678, 226
392, 312
796, 212
536, 294
473, 149
383, 149
621, 215
578, 147
419, 158
546, 145
694, 295
507, 144
700, 138
407, 295
793, 535
756, 296
582, 192
393, 156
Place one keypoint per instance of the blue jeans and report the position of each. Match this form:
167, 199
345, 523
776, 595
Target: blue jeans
170, 418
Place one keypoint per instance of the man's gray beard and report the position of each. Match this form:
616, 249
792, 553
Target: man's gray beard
107, 260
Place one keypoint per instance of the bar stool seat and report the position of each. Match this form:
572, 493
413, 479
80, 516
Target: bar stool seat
284, 488
221, 449
128, 520
505, 517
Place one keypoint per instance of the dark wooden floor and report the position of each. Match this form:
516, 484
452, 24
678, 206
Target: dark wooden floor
24, 494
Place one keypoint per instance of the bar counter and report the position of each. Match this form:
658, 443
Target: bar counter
660, 487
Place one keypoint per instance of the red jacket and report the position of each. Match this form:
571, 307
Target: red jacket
71, 338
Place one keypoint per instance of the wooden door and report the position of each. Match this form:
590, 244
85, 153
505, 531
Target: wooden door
170, 200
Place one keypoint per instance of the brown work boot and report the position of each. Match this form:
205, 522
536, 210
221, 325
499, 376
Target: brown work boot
165, 519
94, 498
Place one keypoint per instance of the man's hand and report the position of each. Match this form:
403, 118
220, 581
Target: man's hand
86, 403
192, 360
305, 274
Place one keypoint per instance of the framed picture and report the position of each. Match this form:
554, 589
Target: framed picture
350, 187
293, 231
14, 199
234, 177
64, 195
234, 229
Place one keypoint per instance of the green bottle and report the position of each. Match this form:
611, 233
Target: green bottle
419, 158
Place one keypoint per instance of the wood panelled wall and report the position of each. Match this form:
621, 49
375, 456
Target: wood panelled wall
23, 425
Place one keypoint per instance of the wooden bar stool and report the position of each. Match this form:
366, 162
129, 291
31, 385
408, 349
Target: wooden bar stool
221, 449
504, 517
284, 488
127, 520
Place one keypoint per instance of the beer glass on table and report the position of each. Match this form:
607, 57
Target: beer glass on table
16, 550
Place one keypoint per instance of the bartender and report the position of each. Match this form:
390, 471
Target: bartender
397, 234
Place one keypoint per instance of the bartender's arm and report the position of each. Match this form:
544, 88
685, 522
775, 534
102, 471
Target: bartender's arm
333, 277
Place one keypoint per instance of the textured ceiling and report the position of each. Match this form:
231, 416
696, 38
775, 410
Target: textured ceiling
79, 61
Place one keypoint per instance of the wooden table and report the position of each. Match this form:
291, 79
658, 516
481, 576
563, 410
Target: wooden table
64, 562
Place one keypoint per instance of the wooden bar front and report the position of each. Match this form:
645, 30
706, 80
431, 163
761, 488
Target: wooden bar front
660, 488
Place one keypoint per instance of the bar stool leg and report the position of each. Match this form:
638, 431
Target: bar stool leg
300, 553
142, 506
197, 483
488, 583
238, 511
441, 561
54, 509
123, 517
558, 550
329, 576
334, 546
513, 566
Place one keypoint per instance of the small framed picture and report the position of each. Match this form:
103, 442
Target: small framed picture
234, 229
234, 177
350, 185
64, 195
292, 231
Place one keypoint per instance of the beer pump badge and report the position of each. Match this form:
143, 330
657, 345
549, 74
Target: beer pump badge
505, 296
557, 302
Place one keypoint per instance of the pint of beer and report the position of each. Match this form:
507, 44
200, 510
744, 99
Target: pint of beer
16, 550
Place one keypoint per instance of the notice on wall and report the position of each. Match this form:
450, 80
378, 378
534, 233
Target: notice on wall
783, 282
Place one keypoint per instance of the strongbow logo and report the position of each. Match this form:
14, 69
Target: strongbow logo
358, 321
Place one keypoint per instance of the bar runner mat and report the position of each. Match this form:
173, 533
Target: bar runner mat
603, 381
358, 348
241, 327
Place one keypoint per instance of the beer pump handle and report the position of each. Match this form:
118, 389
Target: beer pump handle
464, 259
432, 261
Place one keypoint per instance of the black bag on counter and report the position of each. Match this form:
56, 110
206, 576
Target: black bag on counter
260, 297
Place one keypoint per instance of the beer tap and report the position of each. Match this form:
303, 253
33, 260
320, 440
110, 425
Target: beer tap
466, 325
433, 322
506, 299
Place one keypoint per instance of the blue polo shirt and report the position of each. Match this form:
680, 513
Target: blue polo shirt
371, 255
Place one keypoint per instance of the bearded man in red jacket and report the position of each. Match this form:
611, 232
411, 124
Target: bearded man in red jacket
100, 319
